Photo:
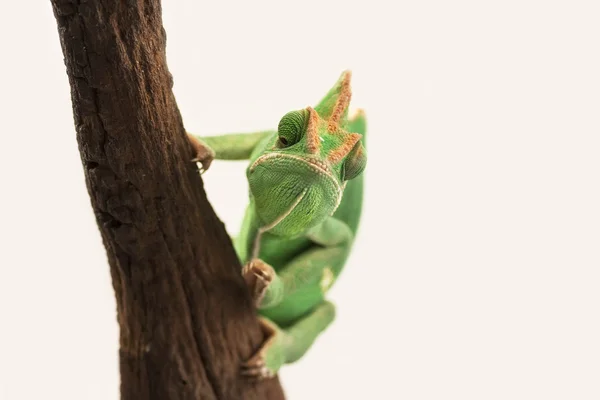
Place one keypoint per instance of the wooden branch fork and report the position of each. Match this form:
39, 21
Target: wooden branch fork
186, 318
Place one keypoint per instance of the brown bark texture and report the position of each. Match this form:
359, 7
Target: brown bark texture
186, 318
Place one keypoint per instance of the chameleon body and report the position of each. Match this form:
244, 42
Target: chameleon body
306, 190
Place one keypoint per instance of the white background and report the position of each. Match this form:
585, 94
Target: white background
476, 271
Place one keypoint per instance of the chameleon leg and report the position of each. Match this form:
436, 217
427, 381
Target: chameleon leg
287, 345
233, 146
302, 283
294, 297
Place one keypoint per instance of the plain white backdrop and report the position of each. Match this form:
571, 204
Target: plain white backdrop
476, 271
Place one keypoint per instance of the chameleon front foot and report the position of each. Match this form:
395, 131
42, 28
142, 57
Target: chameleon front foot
258, 276
203, 154
265, 363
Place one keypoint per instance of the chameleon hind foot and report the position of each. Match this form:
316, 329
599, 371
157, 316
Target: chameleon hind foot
265, 363
284, 346
203, 154
265, 285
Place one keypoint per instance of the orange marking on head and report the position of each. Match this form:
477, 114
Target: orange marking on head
345, 148
341, 103
313, 141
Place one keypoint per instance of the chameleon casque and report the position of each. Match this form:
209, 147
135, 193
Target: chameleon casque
306, 190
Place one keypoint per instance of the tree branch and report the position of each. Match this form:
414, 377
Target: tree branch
186, 318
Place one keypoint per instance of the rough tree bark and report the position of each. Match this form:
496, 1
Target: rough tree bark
186, 318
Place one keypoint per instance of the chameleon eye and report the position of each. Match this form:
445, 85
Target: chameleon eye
291, 127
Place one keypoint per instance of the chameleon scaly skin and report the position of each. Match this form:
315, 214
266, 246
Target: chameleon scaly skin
306, 188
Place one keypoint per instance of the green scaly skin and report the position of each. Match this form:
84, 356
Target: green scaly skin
306, 188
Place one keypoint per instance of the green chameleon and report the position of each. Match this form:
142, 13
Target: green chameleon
306, 189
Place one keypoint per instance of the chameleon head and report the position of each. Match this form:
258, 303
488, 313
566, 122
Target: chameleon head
298, 181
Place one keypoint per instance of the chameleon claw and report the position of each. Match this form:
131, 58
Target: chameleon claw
257, 373
255, 367
200, 169
204, 165
265, 274
254, 363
